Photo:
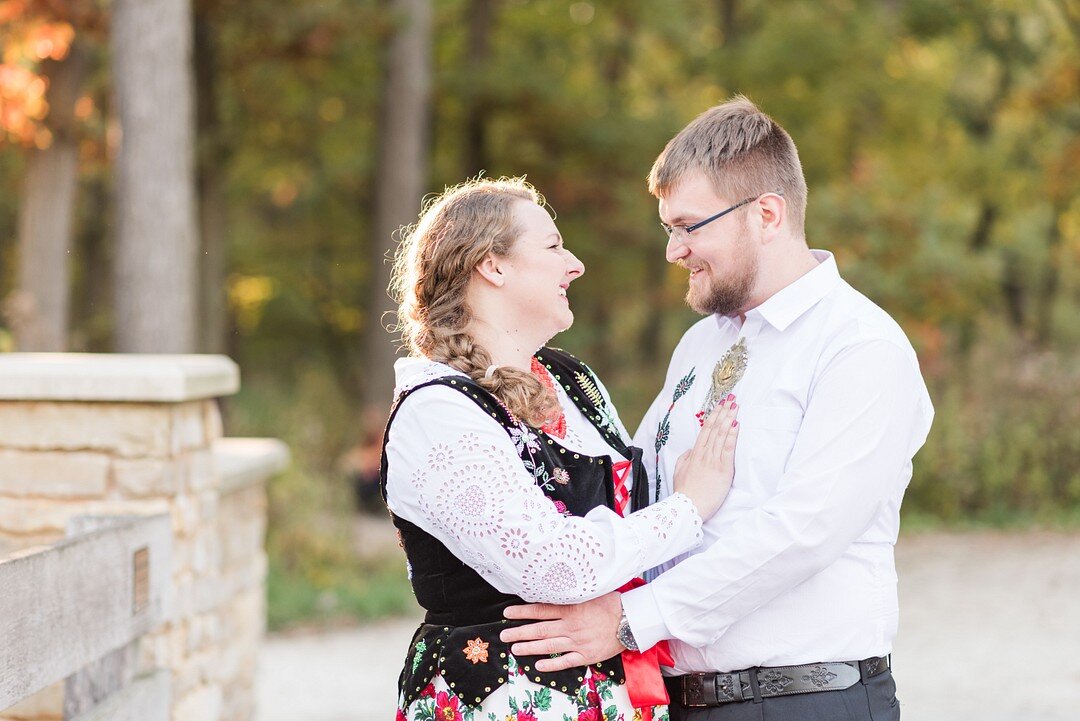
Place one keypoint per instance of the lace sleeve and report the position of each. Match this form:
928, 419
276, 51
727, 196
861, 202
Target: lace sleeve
455, 473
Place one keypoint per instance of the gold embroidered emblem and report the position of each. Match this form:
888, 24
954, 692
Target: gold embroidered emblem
476, 651
727, 372
590, 389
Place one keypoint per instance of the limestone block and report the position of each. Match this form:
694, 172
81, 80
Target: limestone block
127, 429
206, 556
35, 515
177, 640
239, 704
203, 703
241, 541
154, 650
184, 587
199, 470
12, 546
209, 505
204, 632
116, 377
141, 477
185, 515
229, 663
212, 420
62, 475
188, 427
182, 551
48, 703
198, 669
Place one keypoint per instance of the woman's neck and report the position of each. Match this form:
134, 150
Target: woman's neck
506, 346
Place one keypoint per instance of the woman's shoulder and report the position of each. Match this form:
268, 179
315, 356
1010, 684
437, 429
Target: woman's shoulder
413, 372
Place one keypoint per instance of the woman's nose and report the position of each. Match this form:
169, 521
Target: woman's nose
575, 267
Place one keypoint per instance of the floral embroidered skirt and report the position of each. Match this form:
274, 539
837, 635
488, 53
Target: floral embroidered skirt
521, 699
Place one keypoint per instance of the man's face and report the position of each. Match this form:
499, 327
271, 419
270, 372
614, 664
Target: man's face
722, 256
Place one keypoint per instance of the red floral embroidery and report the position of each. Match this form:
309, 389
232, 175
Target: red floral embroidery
428, 692
556, 427
526, 715
446, 708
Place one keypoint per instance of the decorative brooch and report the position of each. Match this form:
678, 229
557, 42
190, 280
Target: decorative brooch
727, 372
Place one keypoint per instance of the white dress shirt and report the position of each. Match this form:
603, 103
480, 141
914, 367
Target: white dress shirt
797, 567
456, 473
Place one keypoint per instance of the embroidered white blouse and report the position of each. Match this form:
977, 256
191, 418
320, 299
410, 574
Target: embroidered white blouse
456, 473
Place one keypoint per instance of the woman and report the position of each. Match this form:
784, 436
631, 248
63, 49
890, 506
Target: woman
507, 471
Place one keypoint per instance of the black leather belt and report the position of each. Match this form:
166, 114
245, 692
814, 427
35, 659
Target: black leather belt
714, 689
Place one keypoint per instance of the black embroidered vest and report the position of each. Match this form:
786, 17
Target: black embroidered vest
463, 610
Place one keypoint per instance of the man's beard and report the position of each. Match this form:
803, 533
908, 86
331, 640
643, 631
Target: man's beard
727, 296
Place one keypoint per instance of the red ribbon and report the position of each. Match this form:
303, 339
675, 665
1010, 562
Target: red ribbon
644, 682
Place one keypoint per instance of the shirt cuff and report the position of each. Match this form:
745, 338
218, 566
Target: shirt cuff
643, 615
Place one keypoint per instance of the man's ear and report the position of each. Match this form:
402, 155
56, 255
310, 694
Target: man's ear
772, 209
491, 269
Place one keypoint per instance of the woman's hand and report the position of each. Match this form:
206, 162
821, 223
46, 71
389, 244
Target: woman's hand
704, 473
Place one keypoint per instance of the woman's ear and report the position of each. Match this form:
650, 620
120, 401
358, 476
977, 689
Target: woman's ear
491, 270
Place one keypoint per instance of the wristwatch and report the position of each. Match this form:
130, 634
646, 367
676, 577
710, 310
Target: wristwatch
625, 635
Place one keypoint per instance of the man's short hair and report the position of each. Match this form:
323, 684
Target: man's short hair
742, 151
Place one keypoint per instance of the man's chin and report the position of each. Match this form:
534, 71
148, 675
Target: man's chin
697, 304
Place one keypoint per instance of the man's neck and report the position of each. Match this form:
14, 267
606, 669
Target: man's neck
783, 270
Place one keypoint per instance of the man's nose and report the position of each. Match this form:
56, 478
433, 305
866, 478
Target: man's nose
676, 249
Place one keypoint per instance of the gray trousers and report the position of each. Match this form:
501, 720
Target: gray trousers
874, 700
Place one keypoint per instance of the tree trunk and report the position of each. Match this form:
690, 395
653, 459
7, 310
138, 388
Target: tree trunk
402, 177
478, 100
212, 156
157, 237
40, 308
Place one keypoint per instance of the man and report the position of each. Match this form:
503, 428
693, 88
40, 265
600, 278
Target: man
789, 609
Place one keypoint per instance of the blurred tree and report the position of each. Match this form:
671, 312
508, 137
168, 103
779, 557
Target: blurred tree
157, 239
46, 214
401, 176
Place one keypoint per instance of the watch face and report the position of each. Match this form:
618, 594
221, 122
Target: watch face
626, 636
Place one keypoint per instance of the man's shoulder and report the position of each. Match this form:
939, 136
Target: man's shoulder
856, 319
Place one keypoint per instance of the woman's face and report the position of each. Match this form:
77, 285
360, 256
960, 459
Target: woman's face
539, 270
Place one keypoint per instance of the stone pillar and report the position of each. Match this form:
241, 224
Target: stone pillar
99, 434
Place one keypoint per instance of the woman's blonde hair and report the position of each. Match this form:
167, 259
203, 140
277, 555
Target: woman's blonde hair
432, 269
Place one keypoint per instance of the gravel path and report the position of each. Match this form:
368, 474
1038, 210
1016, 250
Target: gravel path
989, 626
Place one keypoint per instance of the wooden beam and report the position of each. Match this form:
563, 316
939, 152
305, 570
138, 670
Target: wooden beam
147, 698
67, 606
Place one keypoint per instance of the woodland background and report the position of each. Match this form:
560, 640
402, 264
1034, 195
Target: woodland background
228, 175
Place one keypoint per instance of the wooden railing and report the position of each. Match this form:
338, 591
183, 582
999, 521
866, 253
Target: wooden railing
75, 611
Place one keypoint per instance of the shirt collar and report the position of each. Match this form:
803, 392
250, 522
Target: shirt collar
782, 308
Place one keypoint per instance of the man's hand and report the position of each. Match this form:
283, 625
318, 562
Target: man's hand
584, 633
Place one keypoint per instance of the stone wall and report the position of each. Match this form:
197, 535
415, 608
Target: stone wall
86, 434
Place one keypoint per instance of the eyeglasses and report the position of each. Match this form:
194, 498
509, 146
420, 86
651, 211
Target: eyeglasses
684, 231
